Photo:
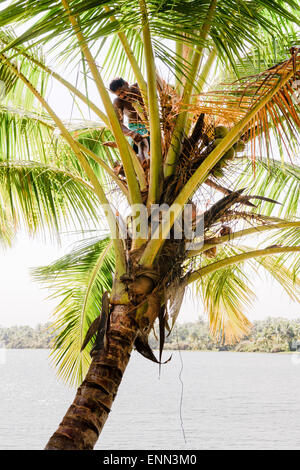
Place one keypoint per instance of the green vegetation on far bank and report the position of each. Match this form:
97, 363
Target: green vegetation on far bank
26, 337
271, 335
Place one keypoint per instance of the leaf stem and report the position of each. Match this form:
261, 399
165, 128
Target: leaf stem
238, 259
216, 241
154, 118
175, 145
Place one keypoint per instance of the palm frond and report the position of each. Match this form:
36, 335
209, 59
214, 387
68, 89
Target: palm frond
290, 237
24, 133
15, 91
78, 280
7, 78
8, 226
283, 268
281, 181
259, 57
226, 296
34, 136
41, 196
233, 25
115, 63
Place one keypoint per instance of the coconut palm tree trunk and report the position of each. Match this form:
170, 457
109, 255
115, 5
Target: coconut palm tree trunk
84, 420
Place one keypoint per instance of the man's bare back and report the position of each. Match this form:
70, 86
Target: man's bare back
124, 107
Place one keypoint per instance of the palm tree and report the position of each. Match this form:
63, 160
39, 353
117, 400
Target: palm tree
233, 72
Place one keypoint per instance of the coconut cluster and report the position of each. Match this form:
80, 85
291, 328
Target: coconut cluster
219, 133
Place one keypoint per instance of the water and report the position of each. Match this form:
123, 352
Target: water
230, 401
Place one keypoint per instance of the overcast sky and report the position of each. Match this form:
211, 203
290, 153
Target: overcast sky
23, 301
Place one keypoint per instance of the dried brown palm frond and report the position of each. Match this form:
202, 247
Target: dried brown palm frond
170, 104
251, 217
280, 114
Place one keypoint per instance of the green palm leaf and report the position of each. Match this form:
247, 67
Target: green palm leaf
115, 63
78, 281
226, 294
25, 134
41, 196
7, 226
289, 237
283, 268
281, 181
232, 25
262, 56
226, 297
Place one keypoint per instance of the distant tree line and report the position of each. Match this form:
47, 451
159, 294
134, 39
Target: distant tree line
271, 335
26, 337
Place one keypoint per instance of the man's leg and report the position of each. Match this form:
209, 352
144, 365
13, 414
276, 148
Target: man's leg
143, 150
135, 147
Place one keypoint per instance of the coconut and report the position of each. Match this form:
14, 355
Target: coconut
142, 285
229, 155
239, 146
217, 172
223, 163
221, 131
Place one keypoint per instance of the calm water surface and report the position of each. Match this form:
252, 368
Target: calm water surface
230, 401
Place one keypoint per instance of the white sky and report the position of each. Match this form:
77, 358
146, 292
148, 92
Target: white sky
24, 301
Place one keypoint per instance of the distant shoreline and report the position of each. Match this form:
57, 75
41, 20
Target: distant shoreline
156, 351
274, 335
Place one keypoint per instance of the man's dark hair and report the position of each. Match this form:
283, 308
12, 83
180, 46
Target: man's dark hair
116, 83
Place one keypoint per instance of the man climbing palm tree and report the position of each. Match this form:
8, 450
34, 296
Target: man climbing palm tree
124, 104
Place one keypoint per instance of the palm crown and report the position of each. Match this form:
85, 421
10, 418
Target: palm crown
224, 129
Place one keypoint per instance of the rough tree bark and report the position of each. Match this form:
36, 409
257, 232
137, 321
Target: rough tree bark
84, 420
